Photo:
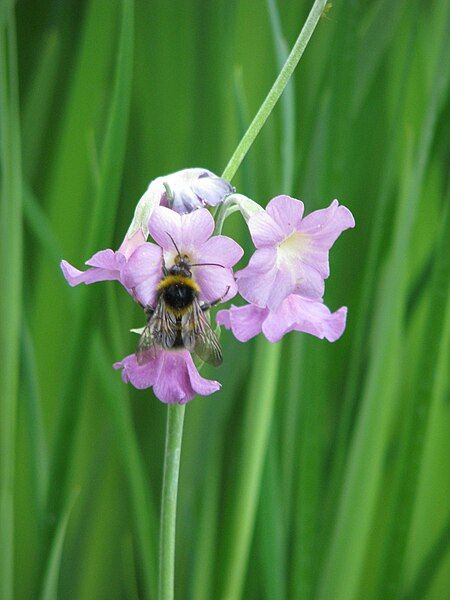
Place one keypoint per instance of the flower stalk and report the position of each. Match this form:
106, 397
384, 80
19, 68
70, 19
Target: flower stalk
174, 435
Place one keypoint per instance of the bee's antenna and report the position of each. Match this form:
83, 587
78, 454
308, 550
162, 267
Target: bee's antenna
206, 265
173, 242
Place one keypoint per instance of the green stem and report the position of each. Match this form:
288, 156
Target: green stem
276, 90
174, 435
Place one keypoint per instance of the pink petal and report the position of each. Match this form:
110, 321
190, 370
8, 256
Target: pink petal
129, 245
255, 281
257, 289
75, 276
145, 262
213, 282
197, 227
141, 376
287, 212
300, 314
106, 259
264, 230
323, 227
261, 261
164, 224
244, 321
143, 272
173, 384
223, 317
220, 249
172, 374
310, 282
283, 285
200, 385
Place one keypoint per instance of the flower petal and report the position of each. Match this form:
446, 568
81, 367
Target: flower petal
220, 249
283, 285
257, 289
200, 385
255, 281
145, 262
106, 266
213, 282
143, 272
106, 259
132, 242
244, 321
165, 224
287, 212
197, 227
173, 384
261, 261
185, 200
323, 227
172, 374
300, 314
210, 188
141, 376
264, 230
310, 282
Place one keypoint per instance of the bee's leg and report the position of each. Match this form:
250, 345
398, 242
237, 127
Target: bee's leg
148, 310
207, 305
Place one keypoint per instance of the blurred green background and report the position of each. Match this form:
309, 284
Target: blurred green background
320, 470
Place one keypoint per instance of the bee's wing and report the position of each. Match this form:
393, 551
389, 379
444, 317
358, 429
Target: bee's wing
147, 346
198, 336
160, 332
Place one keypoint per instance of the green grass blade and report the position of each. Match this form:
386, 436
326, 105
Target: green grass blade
430, 566
207, 535
256, 426
276, 90
40, 226
100, 231
11, 291
52, 572
67, 190
343, 570
416, 422
377, 33
39, 450
357, 355
288, 156
271, 528
37, 108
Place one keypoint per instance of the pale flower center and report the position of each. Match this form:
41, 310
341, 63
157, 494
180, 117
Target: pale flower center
291, 249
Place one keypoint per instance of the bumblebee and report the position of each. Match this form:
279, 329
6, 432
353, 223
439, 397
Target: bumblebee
178, 319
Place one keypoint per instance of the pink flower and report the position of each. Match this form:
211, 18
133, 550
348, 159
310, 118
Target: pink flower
172, 374
293, 314
191, 234
291, 252
105, 265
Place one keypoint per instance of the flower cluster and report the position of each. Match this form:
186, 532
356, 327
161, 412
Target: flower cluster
186, 269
